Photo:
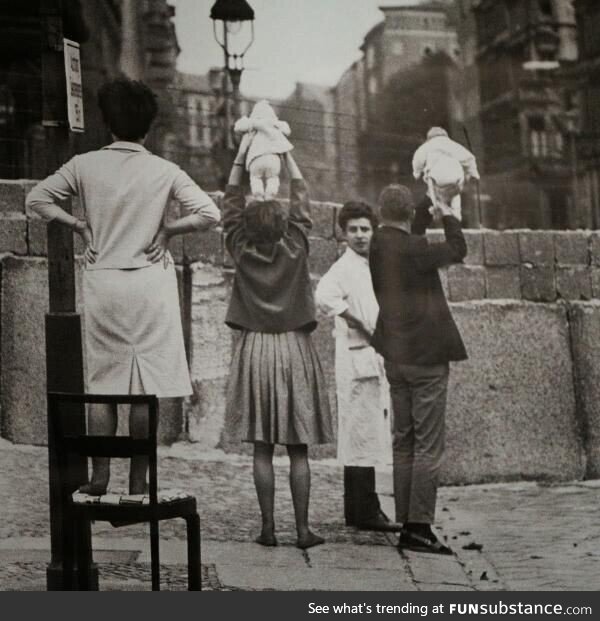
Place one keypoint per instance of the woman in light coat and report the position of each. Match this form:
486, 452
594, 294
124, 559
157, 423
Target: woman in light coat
134, 338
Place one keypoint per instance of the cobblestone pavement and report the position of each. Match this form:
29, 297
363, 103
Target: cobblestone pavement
534, 537
31, 576
520, 536
223, 486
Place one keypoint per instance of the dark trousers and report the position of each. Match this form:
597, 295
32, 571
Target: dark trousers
361, 503
418, 396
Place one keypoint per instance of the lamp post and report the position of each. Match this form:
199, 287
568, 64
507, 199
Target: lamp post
64, 354
235, 42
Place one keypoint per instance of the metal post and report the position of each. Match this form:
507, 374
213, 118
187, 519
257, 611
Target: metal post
227, 130
235, 75
64, 358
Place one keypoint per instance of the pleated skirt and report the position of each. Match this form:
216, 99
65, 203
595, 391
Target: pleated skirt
276, 391
134, 337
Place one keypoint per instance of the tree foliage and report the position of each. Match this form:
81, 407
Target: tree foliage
413, 100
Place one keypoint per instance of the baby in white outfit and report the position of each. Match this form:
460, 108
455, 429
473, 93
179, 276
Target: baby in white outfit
444, 165
265, 139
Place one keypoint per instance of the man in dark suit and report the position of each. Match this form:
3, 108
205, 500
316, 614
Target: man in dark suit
417, 337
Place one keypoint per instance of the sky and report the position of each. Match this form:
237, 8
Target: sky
295, 41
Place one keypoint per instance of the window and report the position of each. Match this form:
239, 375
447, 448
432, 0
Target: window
590, 38
571, 100
206, 137
191, 105
517, 15
373, 85
559, 144
397, 47
193, 137
370, 56
545, 7
592, 108
538, 138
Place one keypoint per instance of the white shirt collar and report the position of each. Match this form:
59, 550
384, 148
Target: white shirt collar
124, 145
354, 256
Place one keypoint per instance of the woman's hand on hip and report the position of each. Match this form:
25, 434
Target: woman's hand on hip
82, 228
159, 246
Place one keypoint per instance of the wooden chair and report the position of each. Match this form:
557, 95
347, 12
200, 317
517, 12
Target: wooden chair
78, 515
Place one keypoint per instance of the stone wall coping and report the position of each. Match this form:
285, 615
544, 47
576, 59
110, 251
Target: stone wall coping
529, 264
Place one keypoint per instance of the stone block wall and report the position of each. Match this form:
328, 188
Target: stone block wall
527, 302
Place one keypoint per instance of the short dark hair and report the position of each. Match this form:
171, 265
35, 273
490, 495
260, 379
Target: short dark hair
356, 209
396, 203
265, 221
128, 108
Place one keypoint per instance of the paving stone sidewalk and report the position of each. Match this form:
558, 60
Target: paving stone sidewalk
520, 536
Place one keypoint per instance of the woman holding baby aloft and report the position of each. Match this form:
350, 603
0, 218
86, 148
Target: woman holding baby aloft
276, 391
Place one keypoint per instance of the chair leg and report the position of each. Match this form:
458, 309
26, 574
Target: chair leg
68, 549
154, 555
194, 552
84, 559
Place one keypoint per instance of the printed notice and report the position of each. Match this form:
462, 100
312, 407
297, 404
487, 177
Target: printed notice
74, 85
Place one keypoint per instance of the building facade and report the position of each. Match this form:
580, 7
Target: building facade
527, 111
350, 121
372, 149
404, 37
310, 112
117, 37
200, 146
587, 74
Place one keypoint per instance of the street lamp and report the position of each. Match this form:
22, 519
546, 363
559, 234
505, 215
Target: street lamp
235, 42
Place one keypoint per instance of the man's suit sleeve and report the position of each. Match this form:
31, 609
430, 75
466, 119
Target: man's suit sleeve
423, 217
428, 257
374, 267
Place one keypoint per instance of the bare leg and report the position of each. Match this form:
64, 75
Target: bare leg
264, 481
300, 487
138, 429
257, 188
271, 187
102, 422
456, 204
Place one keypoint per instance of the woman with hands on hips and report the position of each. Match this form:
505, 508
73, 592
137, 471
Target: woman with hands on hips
134, 337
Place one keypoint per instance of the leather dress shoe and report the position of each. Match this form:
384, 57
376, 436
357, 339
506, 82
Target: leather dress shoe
380, 523
410, 540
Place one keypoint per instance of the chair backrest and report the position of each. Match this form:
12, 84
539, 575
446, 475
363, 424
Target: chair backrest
69, 444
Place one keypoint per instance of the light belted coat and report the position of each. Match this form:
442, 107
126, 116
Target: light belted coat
364, 437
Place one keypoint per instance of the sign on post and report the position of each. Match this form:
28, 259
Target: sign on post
74, 85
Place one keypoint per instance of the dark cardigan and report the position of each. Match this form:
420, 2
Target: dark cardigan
272, 291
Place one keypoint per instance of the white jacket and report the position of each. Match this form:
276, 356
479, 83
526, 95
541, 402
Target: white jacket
442, 146
266, 133
364, 437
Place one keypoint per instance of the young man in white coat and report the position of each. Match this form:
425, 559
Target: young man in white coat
364, 437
